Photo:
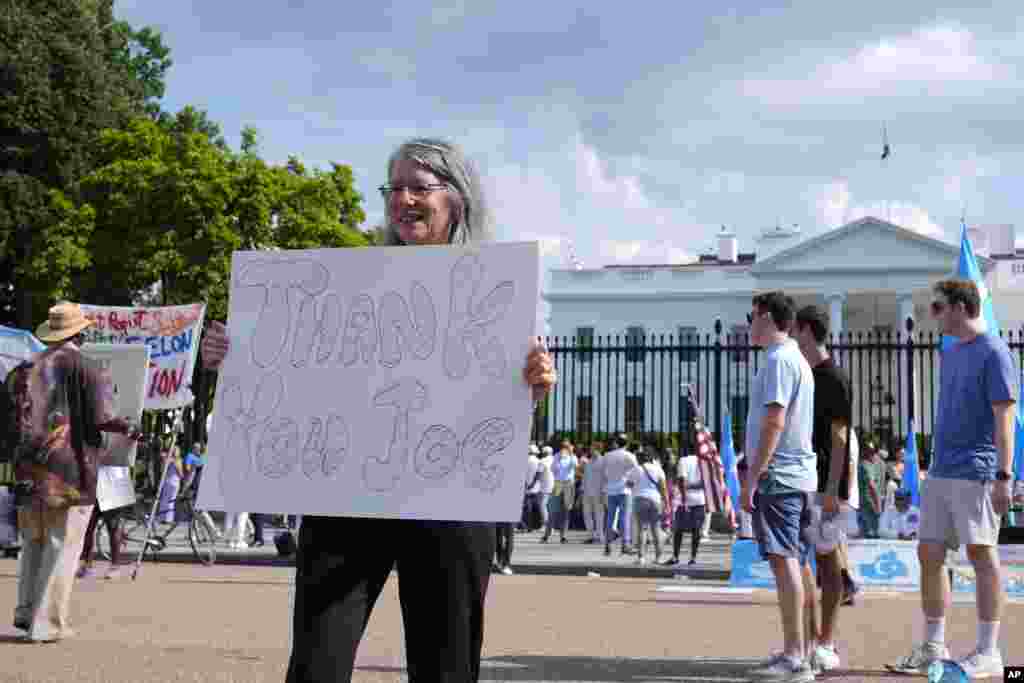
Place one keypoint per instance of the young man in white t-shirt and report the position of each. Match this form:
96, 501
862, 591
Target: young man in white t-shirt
646, 481
616, 466
691, 514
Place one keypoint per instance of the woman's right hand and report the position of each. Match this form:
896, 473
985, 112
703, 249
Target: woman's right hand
215, 345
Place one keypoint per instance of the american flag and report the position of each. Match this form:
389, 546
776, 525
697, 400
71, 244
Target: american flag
711, 469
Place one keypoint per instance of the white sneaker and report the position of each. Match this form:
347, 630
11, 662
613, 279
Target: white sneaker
784, 669
824, 658
506, 570
640, 560
919, 659
982, 664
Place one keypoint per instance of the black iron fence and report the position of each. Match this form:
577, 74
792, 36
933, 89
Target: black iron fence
635, 384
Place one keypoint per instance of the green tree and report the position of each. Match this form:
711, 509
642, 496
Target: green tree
171, 205
64, 77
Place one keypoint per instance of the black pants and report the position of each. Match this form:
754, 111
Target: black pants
112, 519
505, 535
342, 564
258, 520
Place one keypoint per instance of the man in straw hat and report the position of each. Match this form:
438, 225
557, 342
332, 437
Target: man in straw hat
62, 404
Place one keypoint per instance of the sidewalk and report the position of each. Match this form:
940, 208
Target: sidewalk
529, 556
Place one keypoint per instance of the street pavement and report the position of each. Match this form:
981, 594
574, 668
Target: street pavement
230, 623
530, 556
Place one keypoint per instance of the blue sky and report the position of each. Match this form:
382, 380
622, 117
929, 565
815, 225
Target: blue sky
632, 130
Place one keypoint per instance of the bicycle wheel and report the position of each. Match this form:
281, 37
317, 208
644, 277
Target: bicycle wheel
133, 530
203, 542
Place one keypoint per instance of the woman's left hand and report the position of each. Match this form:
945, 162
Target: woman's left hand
540, 371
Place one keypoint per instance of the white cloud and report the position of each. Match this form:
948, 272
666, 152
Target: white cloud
571, 196
833, 204
934, 59
835, 207
643, 252
594, 180
939, 53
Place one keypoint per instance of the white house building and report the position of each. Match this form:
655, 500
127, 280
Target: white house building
871, 274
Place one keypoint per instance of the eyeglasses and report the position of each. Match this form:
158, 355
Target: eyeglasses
416, 191
938, 307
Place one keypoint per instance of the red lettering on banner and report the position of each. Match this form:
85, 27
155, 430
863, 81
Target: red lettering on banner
174, 381
153, 377
165, 382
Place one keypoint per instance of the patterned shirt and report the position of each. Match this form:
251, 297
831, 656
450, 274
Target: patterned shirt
65, 401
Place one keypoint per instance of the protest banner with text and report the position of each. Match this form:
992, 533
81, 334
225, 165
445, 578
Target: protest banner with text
376, 382
172, 334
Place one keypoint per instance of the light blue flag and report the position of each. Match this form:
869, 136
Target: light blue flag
911, 474
967, 268
15, 346
732, 481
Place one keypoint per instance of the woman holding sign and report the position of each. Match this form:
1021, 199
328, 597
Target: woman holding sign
434, 197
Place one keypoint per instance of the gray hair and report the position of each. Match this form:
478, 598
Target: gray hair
470, 217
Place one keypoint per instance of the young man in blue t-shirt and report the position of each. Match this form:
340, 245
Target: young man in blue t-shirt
783, 472
969, 482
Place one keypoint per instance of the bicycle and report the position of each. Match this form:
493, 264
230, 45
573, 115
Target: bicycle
135, 528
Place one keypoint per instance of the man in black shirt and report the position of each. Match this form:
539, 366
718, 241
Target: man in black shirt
833, 443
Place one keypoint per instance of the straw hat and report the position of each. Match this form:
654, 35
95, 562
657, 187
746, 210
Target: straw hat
66, 320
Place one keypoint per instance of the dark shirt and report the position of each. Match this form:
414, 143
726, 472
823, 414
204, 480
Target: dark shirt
831, 402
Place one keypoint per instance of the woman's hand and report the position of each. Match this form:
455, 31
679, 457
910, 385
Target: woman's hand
214, 345
540, 371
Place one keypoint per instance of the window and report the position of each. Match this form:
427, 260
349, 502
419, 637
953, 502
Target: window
584, 343
634, 344
584, 416
634, 414
739, 338
688, 337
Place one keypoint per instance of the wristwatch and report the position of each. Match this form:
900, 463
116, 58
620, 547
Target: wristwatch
1003, 475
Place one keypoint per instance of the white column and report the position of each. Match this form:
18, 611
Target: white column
835, 313
905, 306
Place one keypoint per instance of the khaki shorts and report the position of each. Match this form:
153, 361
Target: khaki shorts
958, 511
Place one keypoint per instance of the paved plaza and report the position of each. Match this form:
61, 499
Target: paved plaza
185, 622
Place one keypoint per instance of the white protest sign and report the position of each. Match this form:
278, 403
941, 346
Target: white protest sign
128, 365
381, 382
172, 335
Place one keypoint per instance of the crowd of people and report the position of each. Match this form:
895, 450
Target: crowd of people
622, 493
